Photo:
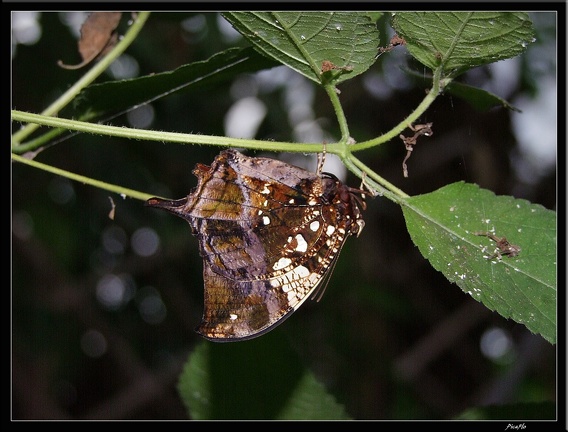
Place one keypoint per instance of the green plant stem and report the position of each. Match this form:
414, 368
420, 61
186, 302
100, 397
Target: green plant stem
37, 144
124, 192
152, 135
352, 163
373, 180
87, 79
331, 91
342, 149
438, 84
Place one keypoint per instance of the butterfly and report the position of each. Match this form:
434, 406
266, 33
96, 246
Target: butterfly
269, 234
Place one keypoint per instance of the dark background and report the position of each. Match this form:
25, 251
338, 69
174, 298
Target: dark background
100, 331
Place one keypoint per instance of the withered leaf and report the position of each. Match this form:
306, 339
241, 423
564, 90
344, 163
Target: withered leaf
98, 37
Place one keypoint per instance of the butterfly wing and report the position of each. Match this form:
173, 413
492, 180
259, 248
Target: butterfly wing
244, 300
267, 239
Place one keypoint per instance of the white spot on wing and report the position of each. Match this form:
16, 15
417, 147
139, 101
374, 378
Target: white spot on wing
281, 263
302, 244
300, 272
314, 226
314, 277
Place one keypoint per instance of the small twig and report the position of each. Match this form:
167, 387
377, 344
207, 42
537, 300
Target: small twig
409, 142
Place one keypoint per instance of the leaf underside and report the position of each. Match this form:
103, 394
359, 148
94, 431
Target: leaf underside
457, 41
304, 41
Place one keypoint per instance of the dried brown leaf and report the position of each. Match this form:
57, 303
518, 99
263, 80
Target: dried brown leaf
98, 37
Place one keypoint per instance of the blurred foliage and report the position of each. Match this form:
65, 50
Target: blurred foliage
396, 342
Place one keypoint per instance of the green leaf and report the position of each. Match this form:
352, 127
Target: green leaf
116, 96
480, 99
261, 379
457, 41
304, 40
375, 16
443, 225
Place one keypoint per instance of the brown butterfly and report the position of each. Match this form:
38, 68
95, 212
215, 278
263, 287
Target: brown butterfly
269, 234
